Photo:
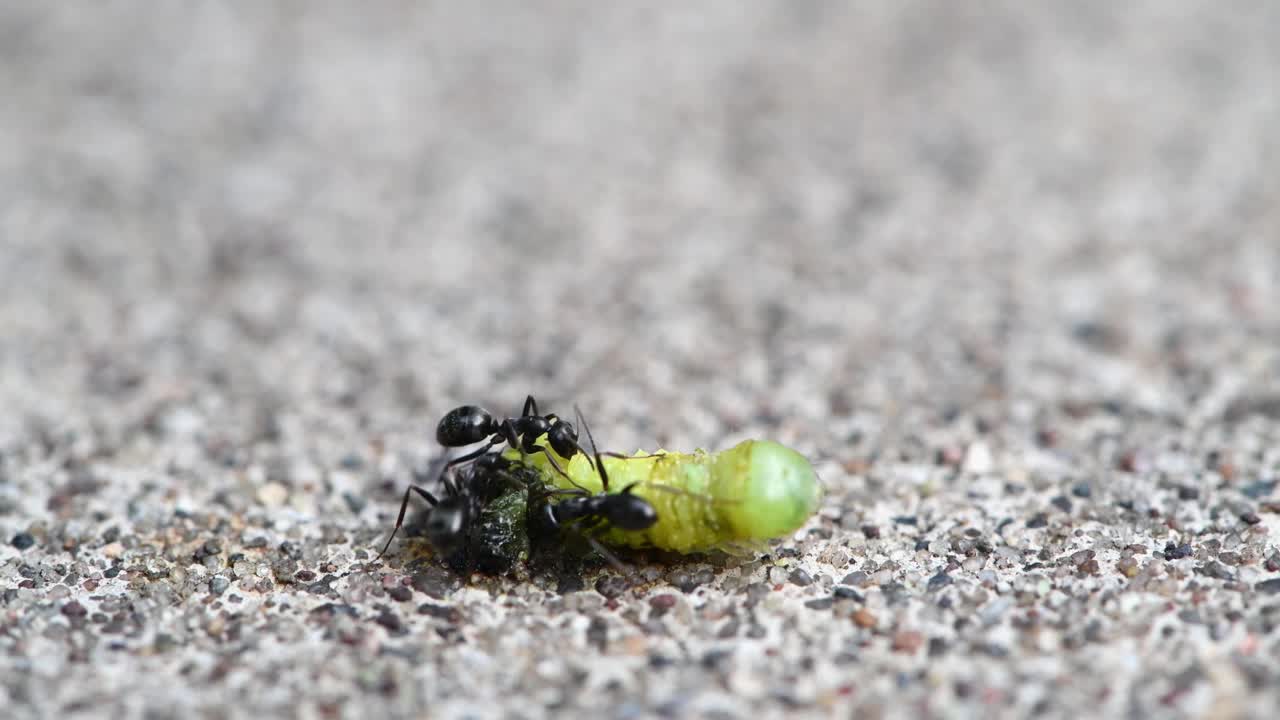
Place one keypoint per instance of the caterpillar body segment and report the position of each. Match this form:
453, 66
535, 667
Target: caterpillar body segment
728, 500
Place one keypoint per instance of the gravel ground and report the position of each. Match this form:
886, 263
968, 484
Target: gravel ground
1008, 275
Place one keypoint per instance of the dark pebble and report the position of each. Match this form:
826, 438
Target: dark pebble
305, 576
111, 572
1081, 556
1039, 520
800, 577
728, 629
255, 543
662, 603
212, 547
755, 592
894, 592
598, 633
823, 603
1062, 502
1259, 489
1186, 492
74, 609
714, 658
687, 581
855, 579
433, 581
1271, 586
1251, 518
285, 569
872, 532
937, 647
442, 612
921, 544
391, 622
994, 650
846, 593
22, 541
1082, 490
612, 586
911, 520
939, 581
658, 661
1216, 570
567, 582
1177, 552
218, 584
354, 502
400, 593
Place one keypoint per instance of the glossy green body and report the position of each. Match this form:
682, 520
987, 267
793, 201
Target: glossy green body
736, 498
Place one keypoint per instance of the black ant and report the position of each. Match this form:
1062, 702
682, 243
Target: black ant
587, 512
471, 424
452, 518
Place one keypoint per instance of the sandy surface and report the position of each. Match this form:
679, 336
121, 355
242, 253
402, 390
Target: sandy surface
1009, 276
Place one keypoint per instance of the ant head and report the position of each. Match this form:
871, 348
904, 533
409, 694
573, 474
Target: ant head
447, 524
465, 425
563, 439
630, 512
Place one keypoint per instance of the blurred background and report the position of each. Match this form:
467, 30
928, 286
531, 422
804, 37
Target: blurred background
250, 253
685, 220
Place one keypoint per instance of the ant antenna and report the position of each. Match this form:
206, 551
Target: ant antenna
595, 451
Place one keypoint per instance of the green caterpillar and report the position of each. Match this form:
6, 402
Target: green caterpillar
735, 499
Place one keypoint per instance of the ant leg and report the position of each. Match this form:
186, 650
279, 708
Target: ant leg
530, 407
572, 527
551, 458
473, 455
404, 506
608, 556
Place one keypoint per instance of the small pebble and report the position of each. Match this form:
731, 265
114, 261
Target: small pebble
907, 642
400, 593
612, 586
273, 494
864, 618
800, 577
847, 593
391, 622
939, 581
74, 609
22, 541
